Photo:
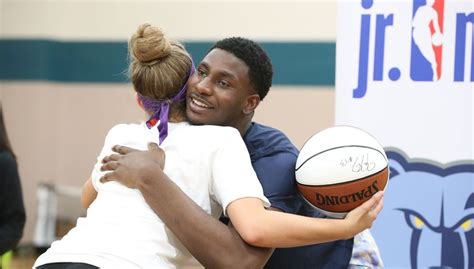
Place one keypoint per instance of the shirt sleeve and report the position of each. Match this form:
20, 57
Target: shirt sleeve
365, 253
111, 139
233, 176
276, 173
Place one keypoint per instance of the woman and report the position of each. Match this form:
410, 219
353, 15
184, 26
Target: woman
209, 163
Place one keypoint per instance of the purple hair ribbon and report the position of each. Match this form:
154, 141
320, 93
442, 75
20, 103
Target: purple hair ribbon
161, 108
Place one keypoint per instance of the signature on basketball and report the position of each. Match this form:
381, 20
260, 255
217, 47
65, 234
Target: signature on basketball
359, 163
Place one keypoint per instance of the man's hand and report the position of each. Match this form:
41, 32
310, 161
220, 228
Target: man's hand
362, 217
131, 167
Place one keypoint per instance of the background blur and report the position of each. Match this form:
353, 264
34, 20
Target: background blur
62, 82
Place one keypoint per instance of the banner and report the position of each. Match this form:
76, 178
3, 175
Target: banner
405, 73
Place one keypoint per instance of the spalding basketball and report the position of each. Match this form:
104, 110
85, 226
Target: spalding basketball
339, 168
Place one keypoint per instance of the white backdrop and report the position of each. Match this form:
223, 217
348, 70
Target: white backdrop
385, 84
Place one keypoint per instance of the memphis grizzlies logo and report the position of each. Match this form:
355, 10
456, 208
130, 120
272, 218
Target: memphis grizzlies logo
428, 216
427, 40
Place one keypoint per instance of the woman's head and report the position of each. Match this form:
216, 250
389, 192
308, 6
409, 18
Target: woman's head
158, 67
159, 70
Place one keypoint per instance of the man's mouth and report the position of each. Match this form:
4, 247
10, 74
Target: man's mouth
195, 100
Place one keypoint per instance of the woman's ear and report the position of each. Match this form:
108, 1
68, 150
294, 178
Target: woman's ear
251, 103
139, 102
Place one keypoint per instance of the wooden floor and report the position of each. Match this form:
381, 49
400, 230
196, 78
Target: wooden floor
22, 262
24, 257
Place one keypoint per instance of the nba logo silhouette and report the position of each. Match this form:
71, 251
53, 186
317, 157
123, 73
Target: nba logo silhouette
427, 40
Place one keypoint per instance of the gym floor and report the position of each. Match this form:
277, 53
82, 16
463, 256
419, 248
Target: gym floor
20, 262
24, 257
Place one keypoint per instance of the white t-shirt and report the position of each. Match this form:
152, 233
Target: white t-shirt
209, 163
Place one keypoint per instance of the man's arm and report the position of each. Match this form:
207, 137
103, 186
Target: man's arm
211, 242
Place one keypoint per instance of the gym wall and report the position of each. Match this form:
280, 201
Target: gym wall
62, 82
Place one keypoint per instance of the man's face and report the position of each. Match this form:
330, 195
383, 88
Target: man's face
218, 90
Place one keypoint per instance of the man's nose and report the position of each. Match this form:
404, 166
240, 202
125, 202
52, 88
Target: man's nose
203, 86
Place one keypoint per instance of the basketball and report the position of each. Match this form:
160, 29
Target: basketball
340, 168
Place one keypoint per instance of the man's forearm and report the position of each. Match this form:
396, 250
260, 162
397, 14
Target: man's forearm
212, 243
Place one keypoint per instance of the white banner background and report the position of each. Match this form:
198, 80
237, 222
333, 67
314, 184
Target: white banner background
430, 123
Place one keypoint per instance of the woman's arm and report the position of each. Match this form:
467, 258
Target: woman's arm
265, 228
88, 193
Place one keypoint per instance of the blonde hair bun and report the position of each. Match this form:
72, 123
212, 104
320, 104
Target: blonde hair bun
158, 66
149, 43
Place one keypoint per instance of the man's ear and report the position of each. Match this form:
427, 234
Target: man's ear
251, 103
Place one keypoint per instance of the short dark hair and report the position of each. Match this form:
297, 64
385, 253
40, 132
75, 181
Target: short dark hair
253, 55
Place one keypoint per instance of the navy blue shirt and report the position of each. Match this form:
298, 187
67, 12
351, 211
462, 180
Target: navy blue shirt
273, 158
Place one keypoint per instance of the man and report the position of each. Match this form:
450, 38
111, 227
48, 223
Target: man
229, 84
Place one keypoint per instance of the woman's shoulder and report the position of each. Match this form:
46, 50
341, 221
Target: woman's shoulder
121, 127
126, 129
215, 132
208, 137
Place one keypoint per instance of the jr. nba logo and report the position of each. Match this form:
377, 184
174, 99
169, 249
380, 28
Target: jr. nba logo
427, 40
425, 37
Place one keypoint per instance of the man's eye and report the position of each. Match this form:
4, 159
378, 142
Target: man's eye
201, 73
223, 83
